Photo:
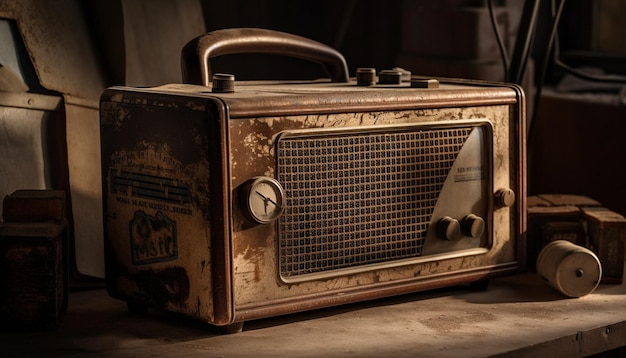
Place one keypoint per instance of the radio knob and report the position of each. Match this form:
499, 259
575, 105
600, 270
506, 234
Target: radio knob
449, 228
505, 198
473, 226
390, 77
365, 76
223, 83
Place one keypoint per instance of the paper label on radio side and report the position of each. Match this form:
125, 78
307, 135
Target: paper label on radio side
149, 183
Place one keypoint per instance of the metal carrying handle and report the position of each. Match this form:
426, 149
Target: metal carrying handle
197, 52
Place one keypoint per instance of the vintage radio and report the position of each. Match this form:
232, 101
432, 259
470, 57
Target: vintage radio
231, 201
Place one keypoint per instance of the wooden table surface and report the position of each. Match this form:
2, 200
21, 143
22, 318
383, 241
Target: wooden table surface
517, 316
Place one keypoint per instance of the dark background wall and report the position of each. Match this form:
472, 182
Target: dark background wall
79, 48
366, 32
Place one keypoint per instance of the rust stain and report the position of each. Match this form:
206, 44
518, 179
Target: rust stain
249, 263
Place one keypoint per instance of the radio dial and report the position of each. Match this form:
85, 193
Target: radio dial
473, 226
263, 199
449, 228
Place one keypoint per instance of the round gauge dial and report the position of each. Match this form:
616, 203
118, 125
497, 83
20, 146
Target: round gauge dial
263, 199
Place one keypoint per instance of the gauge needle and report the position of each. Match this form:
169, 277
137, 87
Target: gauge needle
267, 200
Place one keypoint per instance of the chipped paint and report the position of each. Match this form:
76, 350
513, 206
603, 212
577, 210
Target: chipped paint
113, 115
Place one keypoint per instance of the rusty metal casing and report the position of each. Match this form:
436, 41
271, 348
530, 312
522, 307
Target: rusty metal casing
175, 159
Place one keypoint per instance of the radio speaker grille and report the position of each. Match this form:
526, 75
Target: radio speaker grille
354, 199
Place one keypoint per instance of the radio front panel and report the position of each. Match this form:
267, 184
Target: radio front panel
267, 201
368, 204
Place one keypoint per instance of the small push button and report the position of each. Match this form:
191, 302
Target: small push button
390, 77
365, 76
424, 83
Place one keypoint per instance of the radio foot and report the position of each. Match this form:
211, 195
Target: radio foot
236, 327
481, 285
135, 307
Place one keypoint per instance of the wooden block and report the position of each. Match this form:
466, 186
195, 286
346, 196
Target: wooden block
549, 223
569, 199
555, 217
607, 232
33, 273
536, 200
572, 231
34, 205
